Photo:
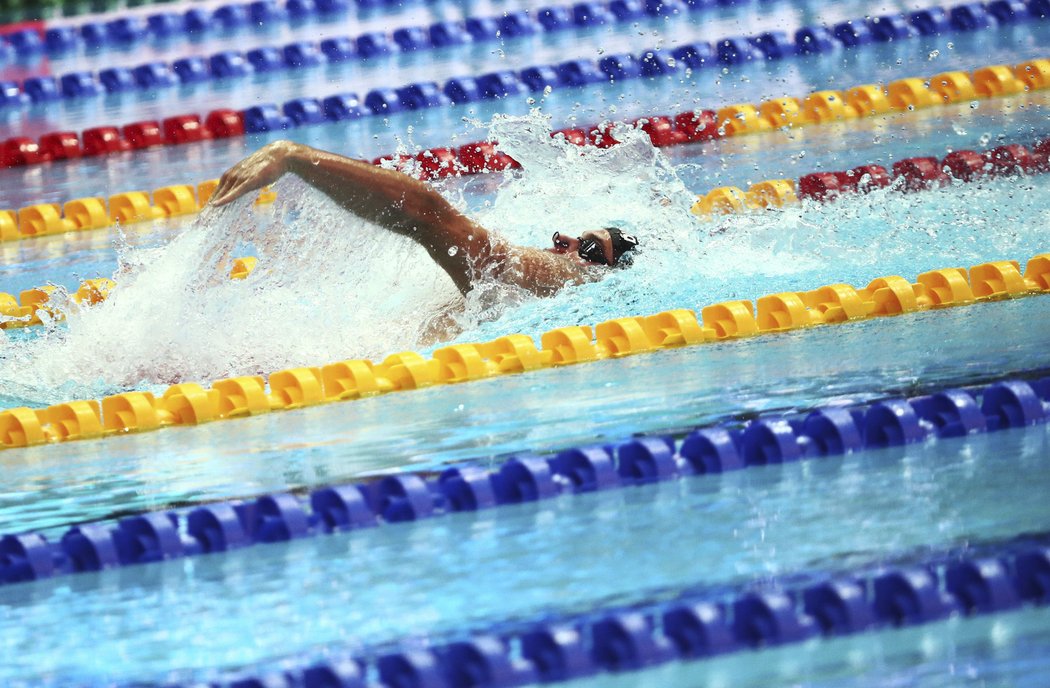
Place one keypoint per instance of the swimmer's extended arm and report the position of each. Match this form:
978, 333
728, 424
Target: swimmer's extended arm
460, 246
388, 198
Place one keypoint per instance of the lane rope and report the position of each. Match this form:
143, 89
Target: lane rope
728, 445
911, 93
692, 126
512, 25
38, 305
191, 404
994, 581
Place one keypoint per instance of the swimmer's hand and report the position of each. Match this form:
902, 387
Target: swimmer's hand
261, 168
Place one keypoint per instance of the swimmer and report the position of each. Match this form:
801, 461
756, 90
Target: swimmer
462, 248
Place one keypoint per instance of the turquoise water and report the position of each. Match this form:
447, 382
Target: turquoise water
194, 619
345, 287
50, 486
68, 259
713, 22
1002, 651
521, 563
373, 136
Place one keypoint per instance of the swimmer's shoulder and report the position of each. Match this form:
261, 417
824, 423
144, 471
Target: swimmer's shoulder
545, 273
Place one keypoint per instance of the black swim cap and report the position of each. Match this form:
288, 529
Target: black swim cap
621, 243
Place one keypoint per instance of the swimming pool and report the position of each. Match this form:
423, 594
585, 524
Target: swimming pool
574, 559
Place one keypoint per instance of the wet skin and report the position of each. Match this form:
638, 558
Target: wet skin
461, 247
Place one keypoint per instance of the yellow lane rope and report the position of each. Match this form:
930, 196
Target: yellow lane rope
820, 107
191, 403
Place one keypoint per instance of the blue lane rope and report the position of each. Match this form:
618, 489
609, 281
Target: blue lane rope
122, 32
731, 445
774, 45
977, 581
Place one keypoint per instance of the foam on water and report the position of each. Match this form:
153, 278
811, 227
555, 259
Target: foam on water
327, 287
686, 263
330, 286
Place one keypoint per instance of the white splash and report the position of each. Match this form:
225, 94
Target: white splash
330, 286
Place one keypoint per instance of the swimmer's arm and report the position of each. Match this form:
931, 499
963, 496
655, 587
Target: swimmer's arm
410, 207
388, 198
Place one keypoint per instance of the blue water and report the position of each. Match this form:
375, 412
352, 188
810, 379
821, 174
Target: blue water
49, 486
1003, 651
374, 136
190, 619
715, 22
525, 562
69, 258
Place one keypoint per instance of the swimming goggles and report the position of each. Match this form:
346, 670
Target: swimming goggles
589, 249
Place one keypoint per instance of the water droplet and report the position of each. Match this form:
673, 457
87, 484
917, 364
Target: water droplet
671, 62
452, 250
530, 100
950, 46
315, 161
934, 54
974, 104
546, 91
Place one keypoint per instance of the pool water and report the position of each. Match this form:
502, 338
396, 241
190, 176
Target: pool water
330, 288
434, 428
374, 136
1000, 651
515, 564
205, 328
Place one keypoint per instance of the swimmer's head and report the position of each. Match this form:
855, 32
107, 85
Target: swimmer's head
606, 246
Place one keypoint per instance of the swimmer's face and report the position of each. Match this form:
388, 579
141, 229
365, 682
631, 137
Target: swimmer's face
569, 245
